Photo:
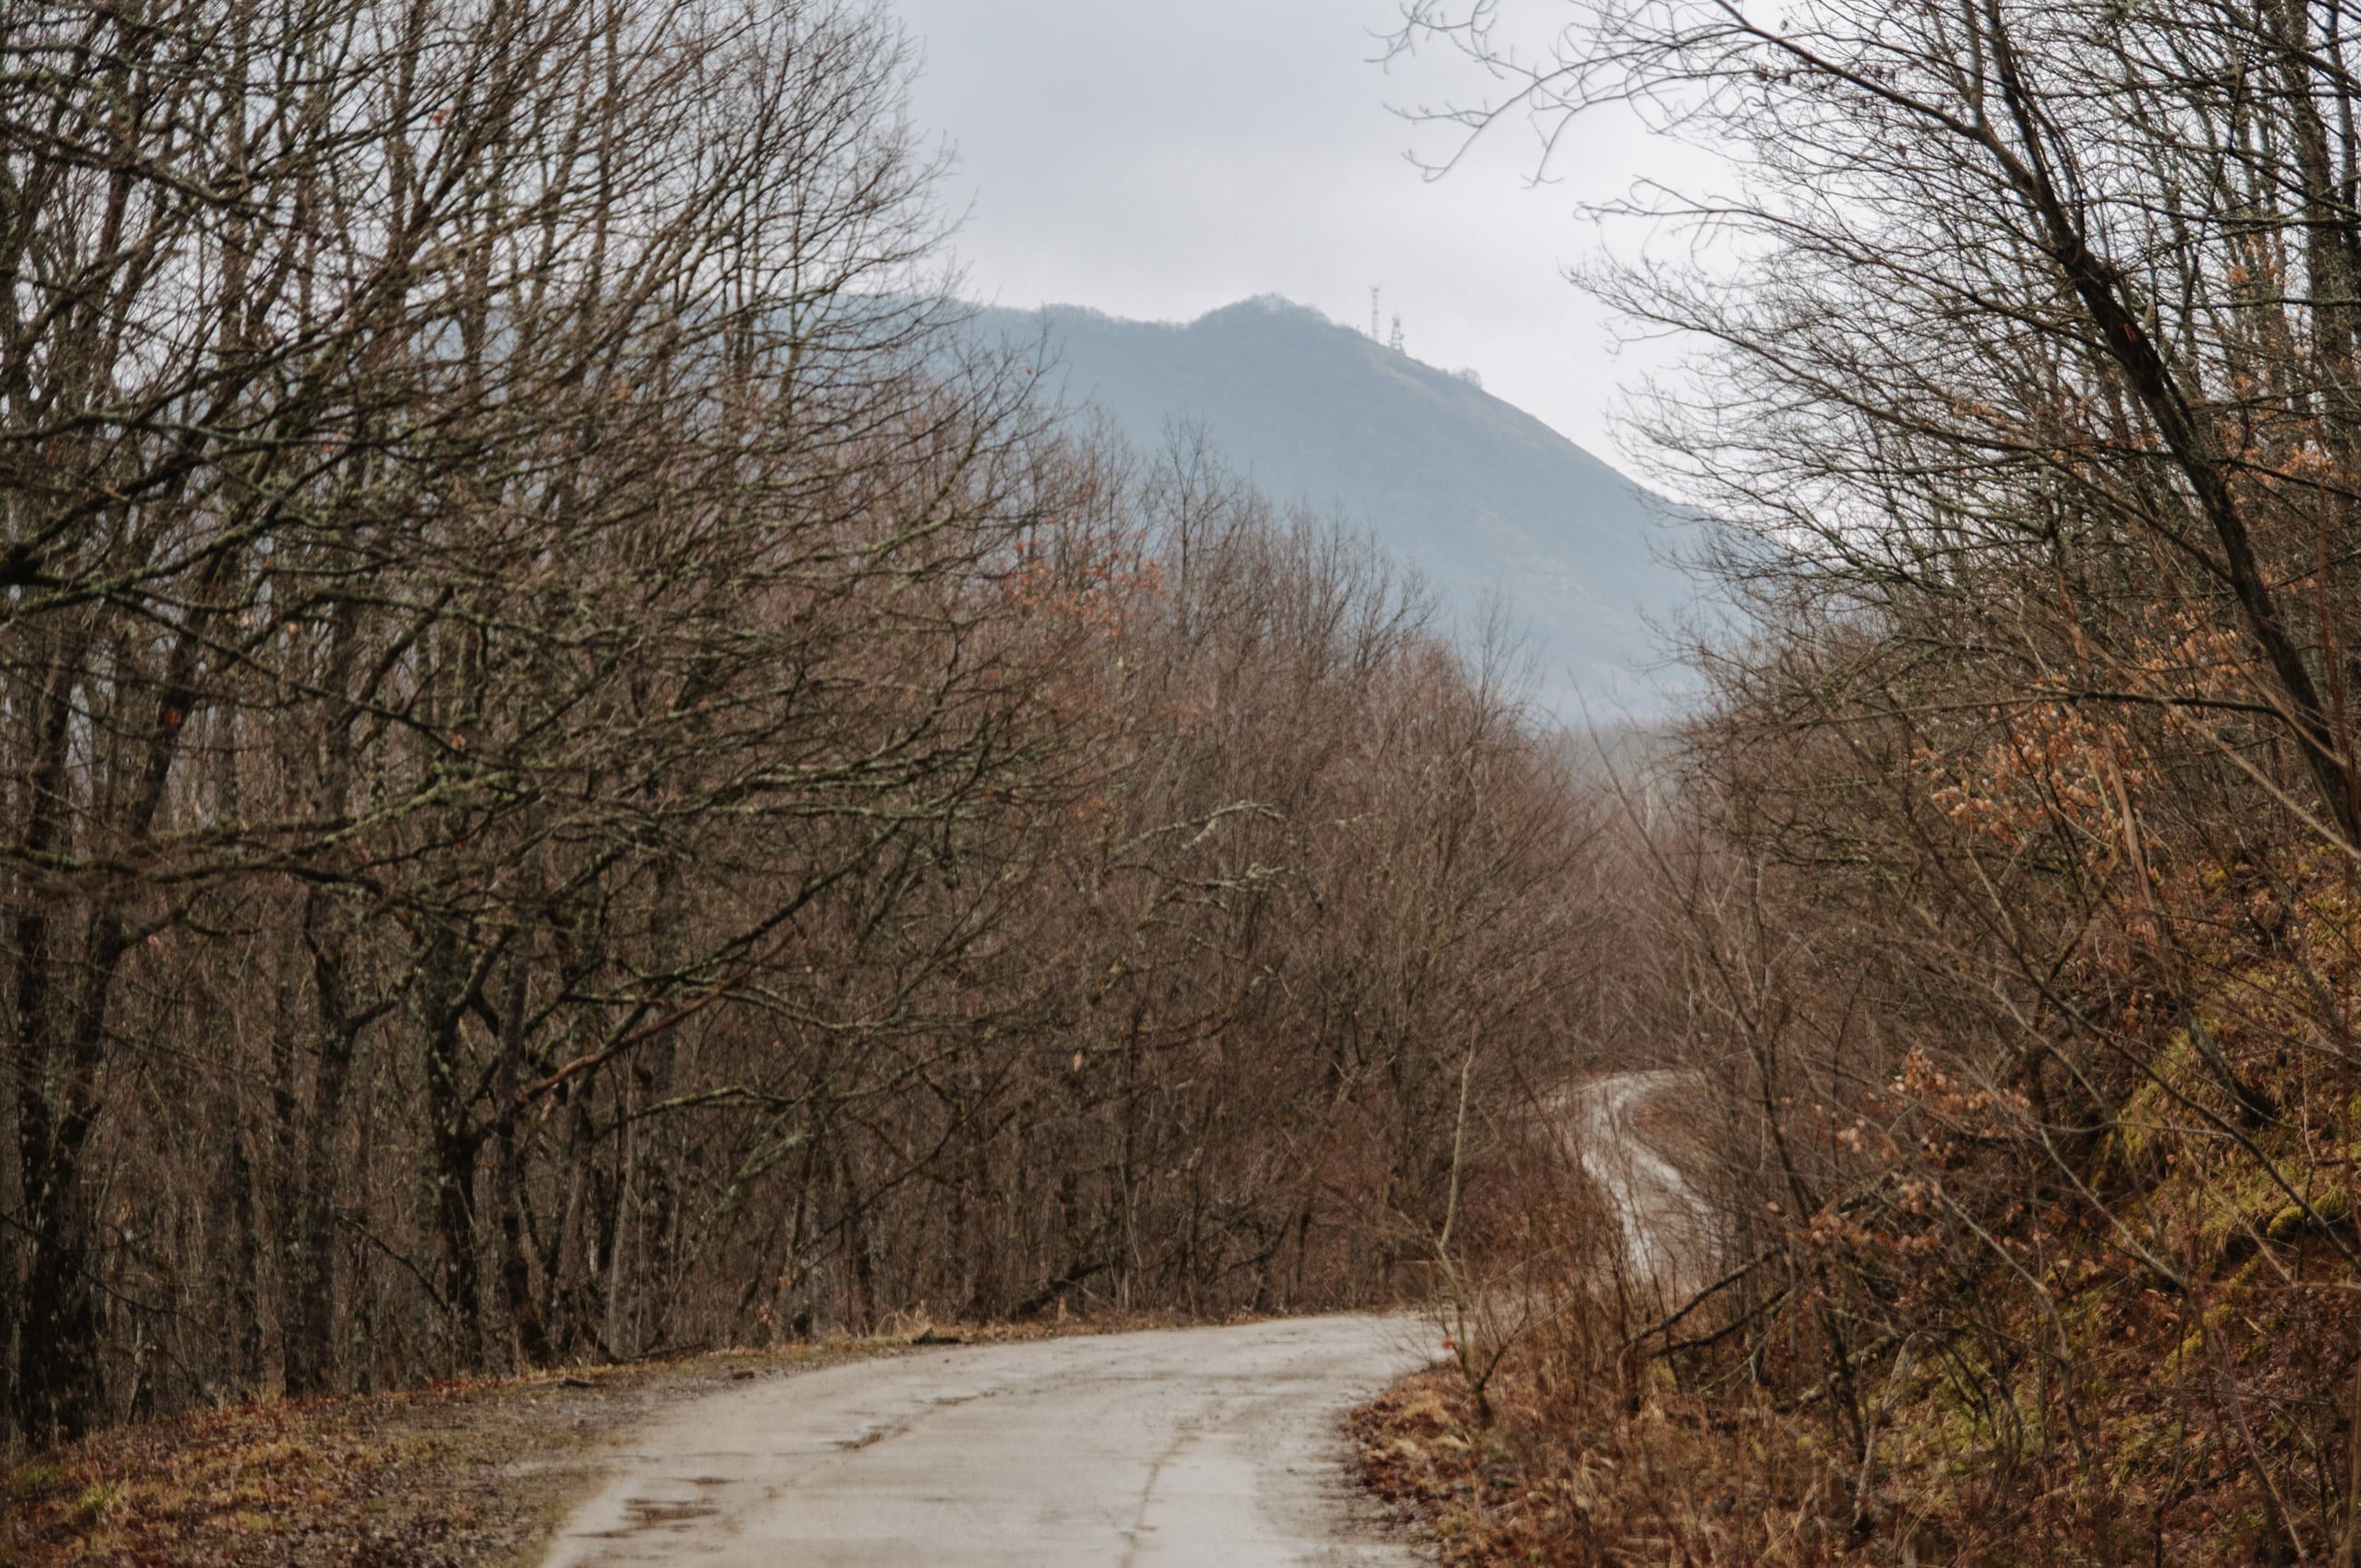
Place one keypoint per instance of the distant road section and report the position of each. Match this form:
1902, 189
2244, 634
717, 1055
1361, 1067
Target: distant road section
1195, 1448
1670, 1235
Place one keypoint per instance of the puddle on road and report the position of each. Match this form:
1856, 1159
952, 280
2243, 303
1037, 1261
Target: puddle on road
645, 1514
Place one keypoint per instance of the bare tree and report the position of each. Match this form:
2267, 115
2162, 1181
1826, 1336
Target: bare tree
2015, 833
585, 775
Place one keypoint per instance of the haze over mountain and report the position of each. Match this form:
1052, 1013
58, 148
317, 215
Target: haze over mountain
1478, 496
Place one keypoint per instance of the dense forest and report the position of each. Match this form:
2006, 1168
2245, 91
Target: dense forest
2006, 912
586, 777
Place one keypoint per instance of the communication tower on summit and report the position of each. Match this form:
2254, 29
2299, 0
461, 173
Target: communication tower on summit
1372, 313
1394, 343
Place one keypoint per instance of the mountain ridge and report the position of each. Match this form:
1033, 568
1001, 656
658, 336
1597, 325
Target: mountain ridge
1483, 499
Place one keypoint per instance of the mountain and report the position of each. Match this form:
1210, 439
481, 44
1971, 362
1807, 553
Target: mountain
1478, 496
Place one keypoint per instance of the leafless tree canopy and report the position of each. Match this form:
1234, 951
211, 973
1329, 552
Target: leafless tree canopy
581, 778
2011, 906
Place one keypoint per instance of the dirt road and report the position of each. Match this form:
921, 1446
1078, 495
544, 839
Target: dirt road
1669, 1235
1193, 1448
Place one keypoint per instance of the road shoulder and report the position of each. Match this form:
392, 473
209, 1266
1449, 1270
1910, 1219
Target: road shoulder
475, 1474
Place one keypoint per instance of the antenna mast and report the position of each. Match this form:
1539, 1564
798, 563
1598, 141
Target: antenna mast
1394, 343
1372, 313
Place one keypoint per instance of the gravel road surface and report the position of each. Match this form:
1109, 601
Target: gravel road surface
1192, 1448
1668, 1228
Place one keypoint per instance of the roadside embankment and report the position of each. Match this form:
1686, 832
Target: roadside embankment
1553, 1443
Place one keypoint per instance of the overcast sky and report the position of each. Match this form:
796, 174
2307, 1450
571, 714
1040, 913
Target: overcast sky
1160, 160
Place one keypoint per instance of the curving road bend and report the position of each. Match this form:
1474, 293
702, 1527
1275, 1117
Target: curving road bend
1669, 1233
1189, 1448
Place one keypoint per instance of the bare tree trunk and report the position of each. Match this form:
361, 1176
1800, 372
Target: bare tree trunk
312, 1314
454, 1137
508, 1195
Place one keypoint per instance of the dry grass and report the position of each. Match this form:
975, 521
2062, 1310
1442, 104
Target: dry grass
1589, 1477
1670, 1482
1578, 1462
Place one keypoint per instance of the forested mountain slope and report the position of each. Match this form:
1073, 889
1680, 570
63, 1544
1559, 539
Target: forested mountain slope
1478, 496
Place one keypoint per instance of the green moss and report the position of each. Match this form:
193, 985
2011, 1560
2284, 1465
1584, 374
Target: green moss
2143, 1443
34, 1483
2293, 1220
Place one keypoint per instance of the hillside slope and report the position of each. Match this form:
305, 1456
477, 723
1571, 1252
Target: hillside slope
1478, 496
